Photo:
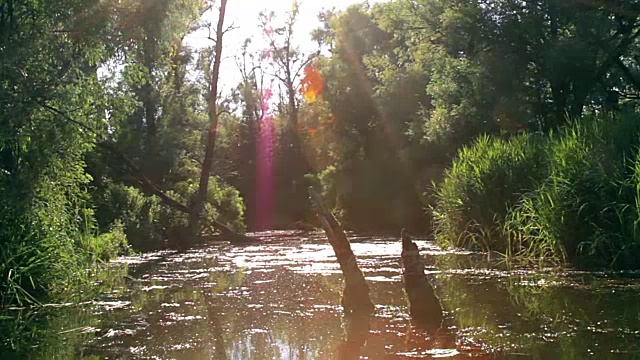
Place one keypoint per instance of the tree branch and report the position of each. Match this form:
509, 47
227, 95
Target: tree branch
230, 28
276, 76
304, 64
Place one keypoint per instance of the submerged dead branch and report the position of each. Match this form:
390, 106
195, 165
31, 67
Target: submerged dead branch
355, 297
424, 306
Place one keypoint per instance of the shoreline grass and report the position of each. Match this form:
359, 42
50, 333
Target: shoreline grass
571, 196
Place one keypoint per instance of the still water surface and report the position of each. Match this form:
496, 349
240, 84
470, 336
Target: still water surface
280, 300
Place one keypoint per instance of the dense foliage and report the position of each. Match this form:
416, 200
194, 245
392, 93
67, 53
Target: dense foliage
520, 94
96, 104
408, 82
571, 195
106, 116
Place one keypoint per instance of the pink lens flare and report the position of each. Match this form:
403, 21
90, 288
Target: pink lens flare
264, 165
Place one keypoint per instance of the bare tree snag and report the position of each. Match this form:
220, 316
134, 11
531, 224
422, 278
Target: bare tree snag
424, 305
355, 297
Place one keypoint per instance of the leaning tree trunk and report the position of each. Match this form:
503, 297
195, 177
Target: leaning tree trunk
355, 297
424, 305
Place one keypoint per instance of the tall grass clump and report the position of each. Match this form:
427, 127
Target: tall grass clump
586, 210
46, 244
484, 181
579, 203
39, 210
45, 251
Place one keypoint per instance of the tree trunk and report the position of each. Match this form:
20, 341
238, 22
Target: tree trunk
424, 306
300, 165
355, 297
197, 206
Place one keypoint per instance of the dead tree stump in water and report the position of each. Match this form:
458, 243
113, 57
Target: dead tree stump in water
355, 296
424, 306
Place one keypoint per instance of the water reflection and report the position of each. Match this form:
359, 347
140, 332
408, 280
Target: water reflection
356, 335
542, 314
216, 334
59, 331
280, 300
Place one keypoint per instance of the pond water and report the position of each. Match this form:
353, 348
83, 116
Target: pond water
280, 300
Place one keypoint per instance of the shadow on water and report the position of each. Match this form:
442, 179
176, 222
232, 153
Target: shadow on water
280, 300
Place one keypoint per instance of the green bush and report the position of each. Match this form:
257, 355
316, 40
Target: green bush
569, 196
225, 204
108, 245
139, 215
148, 223
483, 182
585, 210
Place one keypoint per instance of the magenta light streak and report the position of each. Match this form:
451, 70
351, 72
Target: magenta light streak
264, 165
